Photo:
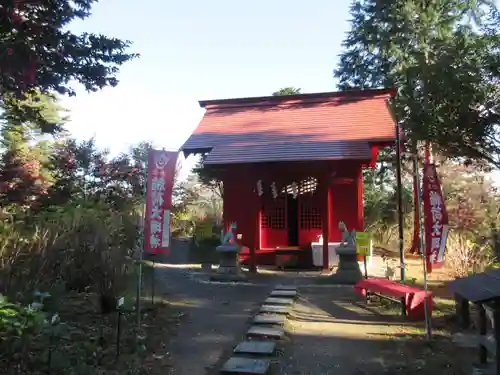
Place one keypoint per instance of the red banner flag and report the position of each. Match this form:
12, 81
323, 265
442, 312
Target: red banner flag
435, 217
161, 170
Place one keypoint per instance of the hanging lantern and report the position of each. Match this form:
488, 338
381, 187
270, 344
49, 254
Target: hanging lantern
260, 191
274, 191
295, 190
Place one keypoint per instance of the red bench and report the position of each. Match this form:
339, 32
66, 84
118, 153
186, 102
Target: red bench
412, 299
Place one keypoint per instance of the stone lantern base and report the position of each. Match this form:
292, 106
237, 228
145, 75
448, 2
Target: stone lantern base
229, 266
348, 271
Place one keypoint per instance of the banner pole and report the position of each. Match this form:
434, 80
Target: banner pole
399, 189
428, 323
153, 280
141, 247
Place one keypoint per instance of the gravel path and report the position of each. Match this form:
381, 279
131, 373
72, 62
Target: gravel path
217, 317
330, 335
331, 331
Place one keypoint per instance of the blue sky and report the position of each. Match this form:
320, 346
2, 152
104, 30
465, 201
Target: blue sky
196, 50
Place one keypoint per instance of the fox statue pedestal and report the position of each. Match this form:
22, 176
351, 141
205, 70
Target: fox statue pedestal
229, 265
348, 271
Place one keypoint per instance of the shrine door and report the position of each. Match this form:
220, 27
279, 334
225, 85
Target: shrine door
273, 228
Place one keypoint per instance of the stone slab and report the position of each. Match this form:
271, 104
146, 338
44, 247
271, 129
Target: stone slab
265, 332
483, 370
465, 340
269, 319
274, 309
278, 301
284, 293
255, 347
285, 287
238, 365
229, 277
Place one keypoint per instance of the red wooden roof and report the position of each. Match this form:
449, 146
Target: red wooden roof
325, 126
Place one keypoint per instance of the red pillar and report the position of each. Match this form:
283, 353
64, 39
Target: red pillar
253, 217
325, 218
253, 244
359, 197
226, 205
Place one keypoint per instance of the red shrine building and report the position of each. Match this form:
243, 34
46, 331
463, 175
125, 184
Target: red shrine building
292, 165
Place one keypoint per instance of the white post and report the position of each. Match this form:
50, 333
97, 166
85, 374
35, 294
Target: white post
428, 323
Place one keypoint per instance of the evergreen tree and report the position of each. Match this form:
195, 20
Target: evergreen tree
446, 69
287, 91
38, 51
24, 171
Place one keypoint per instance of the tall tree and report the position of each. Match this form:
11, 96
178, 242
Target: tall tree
38, 51
287, 91
24, 171
446, 70
208, 177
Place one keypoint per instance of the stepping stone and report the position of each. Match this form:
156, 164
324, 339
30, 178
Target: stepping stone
278, 301
284, 293
286, 287
465, 340
273, 309
269, 319
265, 333
255, 347
238, 365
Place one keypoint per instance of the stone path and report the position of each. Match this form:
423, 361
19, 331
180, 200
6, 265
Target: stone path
323, 332
217, 316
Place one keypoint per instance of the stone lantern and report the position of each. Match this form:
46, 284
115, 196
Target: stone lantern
229, 265
348, 271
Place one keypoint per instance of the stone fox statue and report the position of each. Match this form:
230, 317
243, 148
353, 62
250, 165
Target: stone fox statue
348, 239
228, 238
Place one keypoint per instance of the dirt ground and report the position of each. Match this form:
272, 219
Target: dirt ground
334, 332
215, 316
331, 330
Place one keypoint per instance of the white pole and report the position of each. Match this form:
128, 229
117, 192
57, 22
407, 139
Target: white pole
428, 323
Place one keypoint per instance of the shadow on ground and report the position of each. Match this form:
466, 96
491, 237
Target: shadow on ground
331, 331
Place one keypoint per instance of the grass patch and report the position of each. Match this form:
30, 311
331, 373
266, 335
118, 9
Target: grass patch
409, 352
85, 341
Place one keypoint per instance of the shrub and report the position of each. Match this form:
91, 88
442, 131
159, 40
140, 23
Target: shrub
464, 256
85, 246
18, 326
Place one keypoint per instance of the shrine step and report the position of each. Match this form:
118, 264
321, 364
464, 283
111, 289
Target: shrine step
277, 293
278, 301
263, 348
265, 333
286, 287
239, 365
263, 319
275, 309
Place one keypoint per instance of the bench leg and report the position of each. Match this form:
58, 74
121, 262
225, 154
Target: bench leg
462, 311
403, 306
496, 329
483, 353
